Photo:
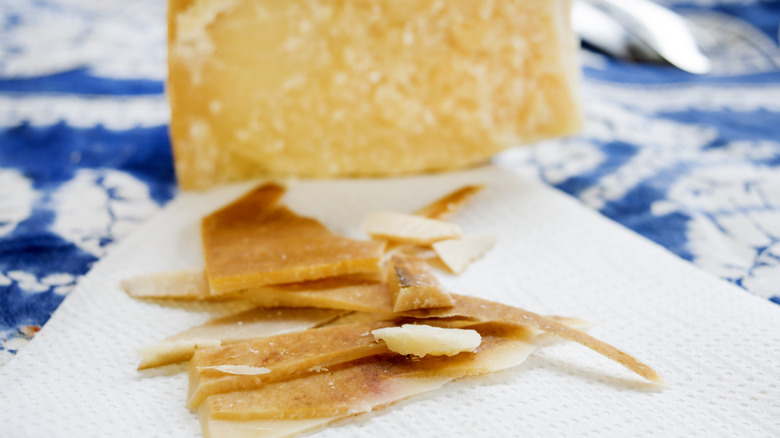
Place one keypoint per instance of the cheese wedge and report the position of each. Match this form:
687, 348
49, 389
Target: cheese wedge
413, 286
282, 355
255, 323
252, 243
287, 408
337, 87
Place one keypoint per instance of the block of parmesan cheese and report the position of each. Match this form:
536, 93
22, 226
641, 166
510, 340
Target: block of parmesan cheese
322, 88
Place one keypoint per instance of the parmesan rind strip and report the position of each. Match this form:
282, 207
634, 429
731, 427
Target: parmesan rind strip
444, 207
185, 284
239, 370
413, 285
284, 355
267, 412
256, 323
327, 294
253, 242
212, 428
484, 310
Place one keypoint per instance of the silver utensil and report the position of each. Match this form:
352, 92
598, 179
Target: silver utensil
640, 30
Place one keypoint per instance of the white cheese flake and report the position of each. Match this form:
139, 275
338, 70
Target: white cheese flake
458, 254
421, 340
407, 228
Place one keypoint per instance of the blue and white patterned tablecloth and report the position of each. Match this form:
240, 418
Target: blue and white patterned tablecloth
690, 162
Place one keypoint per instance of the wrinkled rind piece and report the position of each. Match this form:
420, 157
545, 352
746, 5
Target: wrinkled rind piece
413, 285
252, 243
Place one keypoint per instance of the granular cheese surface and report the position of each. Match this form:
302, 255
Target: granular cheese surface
354, 87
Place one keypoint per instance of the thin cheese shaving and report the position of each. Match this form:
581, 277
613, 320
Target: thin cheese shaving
241, 370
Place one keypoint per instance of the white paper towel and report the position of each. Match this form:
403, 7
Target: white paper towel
717, 346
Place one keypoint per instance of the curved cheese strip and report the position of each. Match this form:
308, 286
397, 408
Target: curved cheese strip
444, 207
252, 324
347, 293
282, 355
484, 310
413, 285
184, 284
286, 408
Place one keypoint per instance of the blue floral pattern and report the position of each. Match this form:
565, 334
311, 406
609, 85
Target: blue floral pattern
692, 163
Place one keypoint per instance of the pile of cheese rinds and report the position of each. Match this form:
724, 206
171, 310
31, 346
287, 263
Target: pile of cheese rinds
342, 326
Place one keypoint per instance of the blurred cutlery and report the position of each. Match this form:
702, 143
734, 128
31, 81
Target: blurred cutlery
639, 30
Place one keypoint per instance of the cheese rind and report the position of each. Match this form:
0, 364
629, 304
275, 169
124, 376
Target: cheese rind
345, 293
480, 309
444, 207
255, 323
252, 242
184, 284
413, 285
339, 87
283, 355
356, 387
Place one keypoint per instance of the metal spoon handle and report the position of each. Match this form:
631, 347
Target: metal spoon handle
662, 29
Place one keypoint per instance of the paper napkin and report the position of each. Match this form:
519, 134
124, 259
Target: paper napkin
717, 346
